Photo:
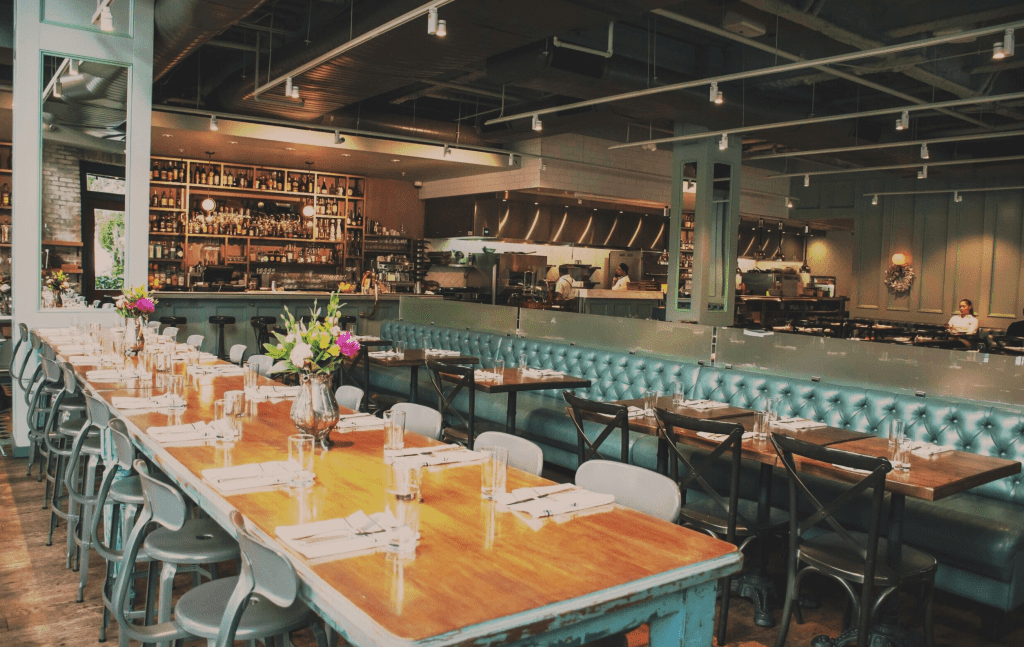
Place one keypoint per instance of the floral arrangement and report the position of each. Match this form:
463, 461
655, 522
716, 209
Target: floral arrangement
56, 282
318, 348
899, 279
135, 302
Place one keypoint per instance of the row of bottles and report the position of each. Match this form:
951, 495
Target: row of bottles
247, 222
293, 254
166, 223
168, 171
166, 250
354, 242
165, 275
164, 201
339, 208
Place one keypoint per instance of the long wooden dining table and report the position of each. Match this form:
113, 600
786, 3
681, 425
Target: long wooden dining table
480, 575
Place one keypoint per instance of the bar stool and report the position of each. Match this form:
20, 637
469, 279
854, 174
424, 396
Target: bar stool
173, 321
220, 321
261, 326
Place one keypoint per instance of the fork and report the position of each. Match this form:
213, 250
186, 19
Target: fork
325, 535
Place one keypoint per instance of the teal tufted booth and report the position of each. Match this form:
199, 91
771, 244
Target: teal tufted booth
977, 536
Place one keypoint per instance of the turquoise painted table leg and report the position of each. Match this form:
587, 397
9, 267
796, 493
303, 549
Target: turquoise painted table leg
693, 624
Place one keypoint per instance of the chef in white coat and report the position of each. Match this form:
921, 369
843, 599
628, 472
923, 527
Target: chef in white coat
621, 277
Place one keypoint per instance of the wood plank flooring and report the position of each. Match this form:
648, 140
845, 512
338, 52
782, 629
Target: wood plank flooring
38, 608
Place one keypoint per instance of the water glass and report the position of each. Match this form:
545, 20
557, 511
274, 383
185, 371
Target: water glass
251, 377
234, 403
425, 342
901, 454
176, 388
406, 511
678, 393
499, 370
650, 400
162, 362
494, 471
300, 455
522, 364
394, 430
400, 347
896, 431
762, 421
403, 478
227, 426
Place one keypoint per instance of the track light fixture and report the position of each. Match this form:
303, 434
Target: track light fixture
442, 28
904, 121
807, 180
73, 66
789, 205
957, 197
874, 200
715, 96
537, 124
1005, 48
436, 27
511, 159
295, 92
650, 147
923, 173
288, 87
723, 143
213, 123
106, 19
338, 139
924, 152
447, 150
58, 89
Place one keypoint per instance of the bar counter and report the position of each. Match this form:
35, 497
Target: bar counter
632, 304
198, 307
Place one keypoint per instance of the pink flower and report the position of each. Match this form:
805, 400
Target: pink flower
145, 305
349, 347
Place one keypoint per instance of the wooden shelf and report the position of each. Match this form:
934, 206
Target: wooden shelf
62, 243
167, 209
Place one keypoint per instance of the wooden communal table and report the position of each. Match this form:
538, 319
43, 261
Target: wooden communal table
414, 358
513, 383
480, 576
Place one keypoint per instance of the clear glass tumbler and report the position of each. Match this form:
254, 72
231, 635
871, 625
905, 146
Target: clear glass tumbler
495, 469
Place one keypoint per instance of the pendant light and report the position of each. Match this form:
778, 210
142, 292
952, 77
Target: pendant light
209, 204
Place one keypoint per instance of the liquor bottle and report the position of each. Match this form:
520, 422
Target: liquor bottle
154, 200
163, 199
163, 172
216, 177
323, 187
155, 174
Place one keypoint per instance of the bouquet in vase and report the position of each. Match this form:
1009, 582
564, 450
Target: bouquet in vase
135, 302
56, 282
316, 348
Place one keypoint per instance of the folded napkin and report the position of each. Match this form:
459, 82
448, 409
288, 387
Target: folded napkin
354, 533
382, 354
138, 404
77, 349
927, 450
542, 372
220, 370
569, 501
485, 376
182, 433
365, 338
203, 357
524, 494
718, 438
85, 360
49, 332
358, 423
272, 391
798, 424
437, 455
253, 475
704, 405
637, 412
441, 352
115, 374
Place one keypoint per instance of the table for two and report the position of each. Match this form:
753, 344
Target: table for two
480, 575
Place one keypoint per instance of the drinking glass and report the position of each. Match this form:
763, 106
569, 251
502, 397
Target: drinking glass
251, 377
406, 511
896, 431
403, 477
494, 471
234, 403
678, 393
901, 454
176, 388
650, 400
227, 426
762, 421
522, 363
394, 429
499, 370
162, 361
425, 342
300, 455
400, 347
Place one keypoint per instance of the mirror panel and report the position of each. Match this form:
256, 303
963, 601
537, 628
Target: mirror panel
78, 14
83, 134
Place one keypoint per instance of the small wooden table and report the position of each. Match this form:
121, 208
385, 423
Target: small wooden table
513, 383
414, 358
363, 355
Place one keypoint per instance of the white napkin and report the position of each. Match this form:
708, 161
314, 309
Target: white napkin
637, 412
569, 501
382, 354
49, 332
182, 433
203, 357
357, 423
115, 375
523, 494
77, 349
220, 370
247, 477
542, 372
798, 424
704, 405
272, 391
927, 450
441, 352
365, 338
138, 404
85, 360
485, 376
718, 438
355, 533
438, 456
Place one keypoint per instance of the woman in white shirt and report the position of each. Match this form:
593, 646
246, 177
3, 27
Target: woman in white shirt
964, 323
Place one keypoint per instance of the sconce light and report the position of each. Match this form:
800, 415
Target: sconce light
899, 259
209, 204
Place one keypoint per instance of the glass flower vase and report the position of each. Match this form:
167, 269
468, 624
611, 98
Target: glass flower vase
315, 411
134, 341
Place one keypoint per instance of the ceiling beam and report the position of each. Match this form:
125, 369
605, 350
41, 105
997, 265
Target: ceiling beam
956, 21
869, 147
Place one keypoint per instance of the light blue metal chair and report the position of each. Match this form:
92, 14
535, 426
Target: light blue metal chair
522, 454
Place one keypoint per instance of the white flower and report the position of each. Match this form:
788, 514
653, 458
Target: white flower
335, 331
5, 288
300, 354
290, 337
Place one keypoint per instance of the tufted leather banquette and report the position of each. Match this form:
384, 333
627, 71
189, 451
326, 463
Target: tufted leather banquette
977, 536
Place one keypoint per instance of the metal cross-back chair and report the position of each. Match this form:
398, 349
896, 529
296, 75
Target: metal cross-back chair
738, 521
447, 390
618, 419
847, 556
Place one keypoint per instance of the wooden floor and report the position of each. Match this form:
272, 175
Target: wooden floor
38, 608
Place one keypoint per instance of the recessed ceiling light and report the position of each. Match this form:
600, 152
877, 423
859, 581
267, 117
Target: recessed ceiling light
396, 160
167, 135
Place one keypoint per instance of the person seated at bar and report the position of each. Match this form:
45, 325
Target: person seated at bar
621, 277
1016, 329
564, 292
964, 326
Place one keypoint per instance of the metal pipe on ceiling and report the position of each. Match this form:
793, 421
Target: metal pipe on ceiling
868, 147
408, 16
182, 26
937, 191
819, 120
718, 31
868, 169
776, 69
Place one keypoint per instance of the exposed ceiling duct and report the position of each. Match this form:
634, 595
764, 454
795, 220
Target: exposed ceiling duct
182, 26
